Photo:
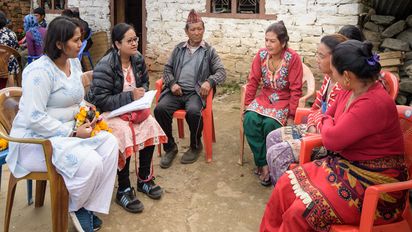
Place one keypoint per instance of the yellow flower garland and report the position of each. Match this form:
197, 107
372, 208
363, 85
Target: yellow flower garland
100, 123
3, 144
80, 119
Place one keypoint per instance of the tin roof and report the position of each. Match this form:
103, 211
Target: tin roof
398, 8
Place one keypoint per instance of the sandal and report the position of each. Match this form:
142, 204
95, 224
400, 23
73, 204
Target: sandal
265, 179
127, 199
150, 188
266, 182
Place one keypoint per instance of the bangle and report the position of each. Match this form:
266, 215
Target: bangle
74, 133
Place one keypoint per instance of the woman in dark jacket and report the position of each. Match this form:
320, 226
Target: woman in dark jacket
120, 78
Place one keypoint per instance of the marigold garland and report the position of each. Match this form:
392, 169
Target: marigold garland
90, 113
3, 144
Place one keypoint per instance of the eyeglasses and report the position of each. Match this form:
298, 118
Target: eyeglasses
131, 40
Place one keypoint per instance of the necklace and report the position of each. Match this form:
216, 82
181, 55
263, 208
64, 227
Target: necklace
126, 69
275, 67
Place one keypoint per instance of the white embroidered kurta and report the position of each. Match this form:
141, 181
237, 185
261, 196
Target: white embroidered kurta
47, 108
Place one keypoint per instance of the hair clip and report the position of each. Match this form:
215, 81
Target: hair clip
373, 59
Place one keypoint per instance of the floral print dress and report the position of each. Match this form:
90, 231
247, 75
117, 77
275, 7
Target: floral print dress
281, 90
9, 38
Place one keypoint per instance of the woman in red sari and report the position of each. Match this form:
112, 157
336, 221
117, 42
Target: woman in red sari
363, 131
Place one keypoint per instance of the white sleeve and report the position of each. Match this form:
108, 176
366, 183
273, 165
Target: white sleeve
37, 87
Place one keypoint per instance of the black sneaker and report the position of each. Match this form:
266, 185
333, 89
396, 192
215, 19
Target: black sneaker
82, 220
167, 159
150, 188
97, 223
128, 200
191, 155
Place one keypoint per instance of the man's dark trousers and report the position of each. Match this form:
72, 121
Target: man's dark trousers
168, 104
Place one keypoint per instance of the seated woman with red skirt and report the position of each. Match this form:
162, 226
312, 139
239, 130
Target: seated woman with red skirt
362, 130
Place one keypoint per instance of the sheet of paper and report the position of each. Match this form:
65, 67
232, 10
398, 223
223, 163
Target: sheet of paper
143, 103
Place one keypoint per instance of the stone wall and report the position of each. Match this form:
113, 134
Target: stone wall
15, 11
95, 12
237, 40
389, 34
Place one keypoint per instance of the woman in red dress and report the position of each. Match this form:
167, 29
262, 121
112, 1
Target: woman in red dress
362, 130
279, 69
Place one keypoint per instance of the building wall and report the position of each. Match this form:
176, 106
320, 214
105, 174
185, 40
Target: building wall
237, 40
15, 11
95, 12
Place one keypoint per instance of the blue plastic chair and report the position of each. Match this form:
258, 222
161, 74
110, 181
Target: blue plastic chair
85, 53
3, 155
80, 54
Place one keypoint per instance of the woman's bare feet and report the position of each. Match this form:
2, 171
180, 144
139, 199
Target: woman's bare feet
258, 171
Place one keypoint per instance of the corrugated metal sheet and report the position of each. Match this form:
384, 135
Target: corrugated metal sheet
398, 8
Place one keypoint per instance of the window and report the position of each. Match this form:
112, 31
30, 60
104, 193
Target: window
53, 5
248, 6
221, 6
246, 9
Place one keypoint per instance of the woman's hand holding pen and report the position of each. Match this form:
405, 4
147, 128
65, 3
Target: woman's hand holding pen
138, 93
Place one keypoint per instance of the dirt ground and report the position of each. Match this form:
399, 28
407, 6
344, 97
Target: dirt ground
217, 196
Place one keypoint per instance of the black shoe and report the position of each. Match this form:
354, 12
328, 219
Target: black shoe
191, 155
167, 159
128, 200
97, 223
82, 220
150, 188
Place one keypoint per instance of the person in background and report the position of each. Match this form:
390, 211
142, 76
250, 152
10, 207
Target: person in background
120, 78
34, 37
86, 29
8, 38
193, 69
283, 144
279, 69
74, 13
362, 130
68, 13
52, 95
40, 15
352, 32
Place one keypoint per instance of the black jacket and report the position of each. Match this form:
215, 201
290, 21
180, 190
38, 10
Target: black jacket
106, 90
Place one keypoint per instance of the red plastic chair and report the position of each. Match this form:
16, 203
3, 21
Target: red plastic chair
391, 83
307, 78
208, 124
373, 192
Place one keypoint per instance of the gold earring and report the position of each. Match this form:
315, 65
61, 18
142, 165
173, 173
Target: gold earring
346, 82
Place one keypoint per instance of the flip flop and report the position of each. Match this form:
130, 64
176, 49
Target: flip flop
266, 182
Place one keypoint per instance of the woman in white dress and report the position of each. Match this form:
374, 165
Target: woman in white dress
52, 94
